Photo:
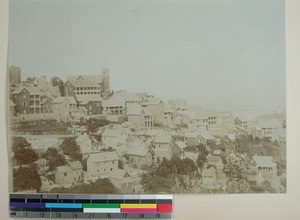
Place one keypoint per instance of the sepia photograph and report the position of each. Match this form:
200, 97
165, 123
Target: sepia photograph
158, 97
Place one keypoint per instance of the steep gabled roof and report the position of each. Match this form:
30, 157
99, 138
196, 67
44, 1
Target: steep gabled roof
97, 79
152, 101
62, 99
178, 103
45, 100
84, 99
31, 90
181, 144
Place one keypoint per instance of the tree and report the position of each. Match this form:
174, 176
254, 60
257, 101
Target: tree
237, 186
203, 152
100, 186
54, 158
93, 124
56, 81
26, 178
19, 142
71, 148
23, 153
236, 168
161, 178
31, 79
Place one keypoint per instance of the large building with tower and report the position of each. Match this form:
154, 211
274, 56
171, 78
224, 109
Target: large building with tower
87, 84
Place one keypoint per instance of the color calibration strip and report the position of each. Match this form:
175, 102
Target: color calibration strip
98, 206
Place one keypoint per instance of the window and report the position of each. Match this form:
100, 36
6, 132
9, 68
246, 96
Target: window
111, 169
65, 174
24, 96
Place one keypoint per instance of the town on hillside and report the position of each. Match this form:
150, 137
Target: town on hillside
79, 136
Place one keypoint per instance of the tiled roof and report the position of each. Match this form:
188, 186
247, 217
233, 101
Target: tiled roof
162, 152
134, 110
97, 79
114, 102
63, 169
31, 90
163, 138
151, 101
138, 151
103, 156
76, 165
178, 103
128, 96
192, 134
62, 99
141, 95
181, 144
213, 159
81, 138
86, 98
263, 161
45, 100
117, 174
206, 135
116, 132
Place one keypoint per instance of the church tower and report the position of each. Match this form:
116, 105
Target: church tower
105, 82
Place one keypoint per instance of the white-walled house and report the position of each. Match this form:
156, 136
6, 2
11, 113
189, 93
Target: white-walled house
99, 164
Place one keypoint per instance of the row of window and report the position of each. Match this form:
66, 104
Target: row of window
87, 92
87, 88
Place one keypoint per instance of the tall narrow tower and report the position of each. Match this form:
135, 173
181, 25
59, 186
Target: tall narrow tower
105, 74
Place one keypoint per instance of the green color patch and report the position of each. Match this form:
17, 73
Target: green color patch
101, 205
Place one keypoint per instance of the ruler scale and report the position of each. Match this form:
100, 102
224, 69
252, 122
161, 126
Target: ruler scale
95, 206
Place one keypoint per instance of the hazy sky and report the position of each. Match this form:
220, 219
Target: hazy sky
207, 51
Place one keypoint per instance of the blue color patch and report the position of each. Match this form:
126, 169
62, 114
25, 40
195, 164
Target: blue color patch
64, 205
